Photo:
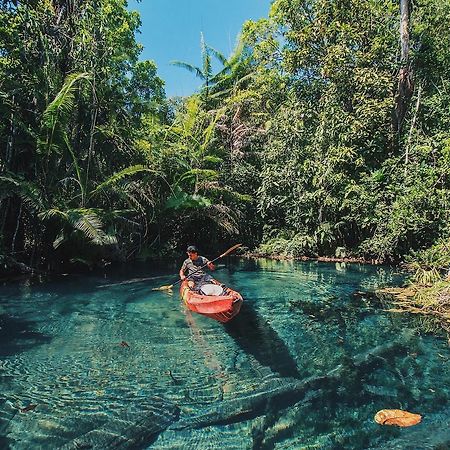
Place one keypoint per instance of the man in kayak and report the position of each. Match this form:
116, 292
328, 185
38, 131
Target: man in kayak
192, 264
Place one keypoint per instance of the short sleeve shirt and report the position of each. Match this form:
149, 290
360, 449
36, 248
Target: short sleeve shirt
192, 266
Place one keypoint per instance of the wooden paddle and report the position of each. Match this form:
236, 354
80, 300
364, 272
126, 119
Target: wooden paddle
170, 286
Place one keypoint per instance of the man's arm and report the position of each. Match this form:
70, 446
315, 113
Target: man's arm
183, 268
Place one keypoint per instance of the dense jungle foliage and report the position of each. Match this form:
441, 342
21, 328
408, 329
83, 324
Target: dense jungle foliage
326, 132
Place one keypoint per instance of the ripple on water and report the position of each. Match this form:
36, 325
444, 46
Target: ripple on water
300, 322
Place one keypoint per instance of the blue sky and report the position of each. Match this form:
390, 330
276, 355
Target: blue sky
171, 31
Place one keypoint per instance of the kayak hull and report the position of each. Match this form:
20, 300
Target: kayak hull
221, 307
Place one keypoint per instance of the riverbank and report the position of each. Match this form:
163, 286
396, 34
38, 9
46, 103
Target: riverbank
279, 257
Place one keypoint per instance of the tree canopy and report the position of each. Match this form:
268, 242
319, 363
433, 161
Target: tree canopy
326, 132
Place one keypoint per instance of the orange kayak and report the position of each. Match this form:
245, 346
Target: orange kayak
219, 307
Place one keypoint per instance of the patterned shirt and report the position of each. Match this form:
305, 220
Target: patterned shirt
192, 266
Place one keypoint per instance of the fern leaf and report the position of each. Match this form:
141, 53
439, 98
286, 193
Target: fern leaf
90, 225
56, 115
118, 176
53, 212
60, 239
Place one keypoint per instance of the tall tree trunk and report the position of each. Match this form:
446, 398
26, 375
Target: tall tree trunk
94, 114
411, 130
19, 216
4, 215
404, 89
10, 139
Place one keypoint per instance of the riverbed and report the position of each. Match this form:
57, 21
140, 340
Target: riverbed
102, 361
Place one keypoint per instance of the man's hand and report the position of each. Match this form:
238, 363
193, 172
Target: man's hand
182, 277
211, 266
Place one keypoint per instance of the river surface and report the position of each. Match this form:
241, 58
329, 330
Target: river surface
102, 361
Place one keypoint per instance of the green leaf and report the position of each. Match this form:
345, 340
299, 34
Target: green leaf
118, 176
182, 200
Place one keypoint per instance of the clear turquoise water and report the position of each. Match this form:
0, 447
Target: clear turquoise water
306, 364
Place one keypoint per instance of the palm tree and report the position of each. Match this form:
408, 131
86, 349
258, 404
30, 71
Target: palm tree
204, 72
76, 206
235, 70
196, 190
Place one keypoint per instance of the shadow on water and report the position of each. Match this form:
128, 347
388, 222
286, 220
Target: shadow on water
256, 337
18, 335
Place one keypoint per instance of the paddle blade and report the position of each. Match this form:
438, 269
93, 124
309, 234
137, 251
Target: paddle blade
230, 250
163, 288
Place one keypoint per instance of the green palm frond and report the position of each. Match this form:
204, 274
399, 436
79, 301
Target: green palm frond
90, 225
136, 194
245, 78
205, 72
209, 130
238, 52
227, 195
29, 193
84, 261
203, 174
118, 176
88, 222
56, 115
193, 69
53, 213
182, 200
206, 58
220, 56
63, 103
83, 220
9, 186
232, 80
184, 130
221, 94
59, 240
213, 159
192, 112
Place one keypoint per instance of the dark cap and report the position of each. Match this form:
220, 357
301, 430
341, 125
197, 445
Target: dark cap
192, 248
